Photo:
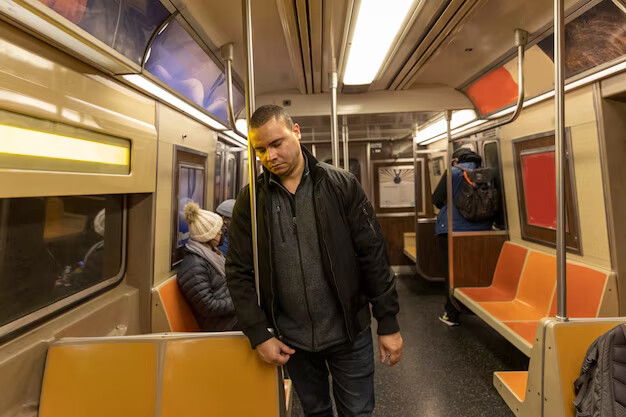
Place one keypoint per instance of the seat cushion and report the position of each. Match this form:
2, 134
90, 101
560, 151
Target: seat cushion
526, 329
492, 293
512, 310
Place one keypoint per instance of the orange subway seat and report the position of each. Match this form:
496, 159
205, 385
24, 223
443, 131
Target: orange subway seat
516, 382
585, 287
534, 294
179, 314
505, 277
526, 329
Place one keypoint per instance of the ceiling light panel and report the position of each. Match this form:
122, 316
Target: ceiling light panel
377, 25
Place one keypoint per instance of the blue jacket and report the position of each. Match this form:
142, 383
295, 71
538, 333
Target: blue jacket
461, 224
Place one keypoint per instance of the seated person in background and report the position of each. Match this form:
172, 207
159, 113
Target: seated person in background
225, 209
201, 275
468, 159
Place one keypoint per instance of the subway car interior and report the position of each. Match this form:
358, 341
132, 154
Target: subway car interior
114, 114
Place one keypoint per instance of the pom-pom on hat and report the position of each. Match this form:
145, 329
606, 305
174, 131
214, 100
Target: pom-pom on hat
98, 223
204, 225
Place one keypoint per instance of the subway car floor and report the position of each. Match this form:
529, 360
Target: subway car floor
445, 371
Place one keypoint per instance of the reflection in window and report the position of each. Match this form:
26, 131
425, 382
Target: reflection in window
492, 160
190, 185
124, 25
54, 247
177, 60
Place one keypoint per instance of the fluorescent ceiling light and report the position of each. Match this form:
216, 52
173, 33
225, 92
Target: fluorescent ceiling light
439, 127
159, 92
19, 141
231, 134
242, 126
377, 25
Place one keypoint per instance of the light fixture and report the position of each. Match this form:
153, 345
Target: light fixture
377, 25
437, 129
45, 149
242, 126
234, 136
161, 93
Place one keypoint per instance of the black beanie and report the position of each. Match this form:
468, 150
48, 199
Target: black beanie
467, 155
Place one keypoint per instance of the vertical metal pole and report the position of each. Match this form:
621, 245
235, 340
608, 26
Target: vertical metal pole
559, 134
450, 202
345, 133
334, 131
250, 107
418, 200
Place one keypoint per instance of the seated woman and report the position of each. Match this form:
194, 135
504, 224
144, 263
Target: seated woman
201, 275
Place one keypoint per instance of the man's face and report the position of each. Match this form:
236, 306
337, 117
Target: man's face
277, 146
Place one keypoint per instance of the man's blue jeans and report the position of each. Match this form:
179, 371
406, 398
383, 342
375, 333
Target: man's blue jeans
352, 369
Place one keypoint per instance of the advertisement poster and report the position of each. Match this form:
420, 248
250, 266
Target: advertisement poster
397, 186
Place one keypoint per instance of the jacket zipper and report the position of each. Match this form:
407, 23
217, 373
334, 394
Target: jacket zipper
332, 272
271, 261
306, 296
367, 217
280, 225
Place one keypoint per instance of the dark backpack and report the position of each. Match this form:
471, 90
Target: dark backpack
477, 199
601, 388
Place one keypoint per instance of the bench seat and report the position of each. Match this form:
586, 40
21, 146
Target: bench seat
170, 375
535, 294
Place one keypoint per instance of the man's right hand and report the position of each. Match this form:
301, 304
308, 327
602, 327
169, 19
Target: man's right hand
274, 352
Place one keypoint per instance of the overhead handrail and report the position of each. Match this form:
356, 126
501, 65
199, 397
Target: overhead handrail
521, 40
228, 56
157, 32
559, 154
250, 107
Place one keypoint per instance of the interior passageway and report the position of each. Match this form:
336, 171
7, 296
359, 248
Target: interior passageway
445, 371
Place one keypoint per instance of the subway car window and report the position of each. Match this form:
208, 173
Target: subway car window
492, 160
54, 247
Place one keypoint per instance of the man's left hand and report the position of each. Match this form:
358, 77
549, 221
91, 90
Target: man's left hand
390, 346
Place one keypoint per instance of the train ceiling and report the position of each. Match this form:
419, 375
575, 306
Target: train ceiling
447, 42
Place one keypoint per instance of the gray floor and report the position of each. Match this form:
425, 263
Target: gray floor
444, 371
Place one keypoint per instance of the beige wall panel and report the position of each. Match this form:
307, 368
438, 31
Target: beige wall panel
580, 118
172, 127
163, 219
41, 81
591, 204
22, 359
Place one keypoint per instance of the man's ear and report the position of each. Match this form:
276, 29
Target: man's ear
296, 130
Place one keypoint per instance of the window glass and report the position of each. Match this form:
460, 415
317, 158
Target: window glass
231, 176
535, 176
190, 180
125, 25
177, 60
54, 247
218, 190
492, 160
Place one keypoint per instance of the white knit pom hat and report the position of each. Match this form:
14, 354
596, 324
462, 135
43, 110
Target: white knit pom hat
204, 225
98, 223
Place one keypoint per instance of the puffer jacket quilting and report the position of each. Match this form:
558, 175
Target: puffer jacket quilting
206, 292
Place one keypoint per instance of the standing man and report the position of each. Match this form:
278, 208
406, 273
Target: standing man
322, 262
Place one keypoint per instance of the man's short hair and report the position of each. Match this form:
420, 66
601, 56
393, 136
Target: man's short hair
265, 113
